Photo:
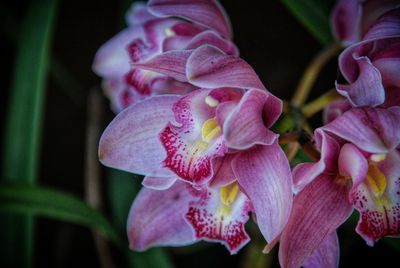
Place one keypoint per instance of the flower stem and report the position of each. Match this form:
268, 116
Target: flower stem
311, 73
320, 103
289, 137
92, 170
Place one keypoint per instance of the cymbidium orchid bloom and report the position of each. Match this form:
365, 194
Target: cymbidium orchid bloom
209, 157
372, 65
359, 168
159, 27
351, 19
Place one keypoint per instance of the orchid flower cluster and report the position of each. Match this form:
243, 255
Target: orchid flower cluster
195, 120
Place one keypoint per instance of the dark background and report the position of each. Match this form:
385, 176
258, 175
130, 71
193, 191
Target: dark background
269, 38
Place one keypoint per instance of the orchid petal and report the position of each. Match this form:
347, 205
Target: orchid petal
326, 255
158, 183
131, 141
170, 63
223, 174
367, 89
245, 126
165, 85
264, 175
120, 94
335, 109
318, 210
352, 163
378, 201
372, 130
210, 67
385, 26
192, 145
175, 42
211, 38
156, 218
205, 12
389, 67
219, 214
345, 20
304, 173
138, 14
112, 59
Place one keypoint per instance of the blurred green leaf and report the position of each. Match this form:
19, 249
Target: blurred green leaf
394, 243
284, 124
314, 15
301, 157
24, 123
122, 188
40, 201
152, 258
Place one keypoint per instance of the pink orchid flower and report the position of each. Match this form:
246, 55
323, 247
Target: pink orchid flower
351, 19
359, 168
372, 65
209, 157
153, 29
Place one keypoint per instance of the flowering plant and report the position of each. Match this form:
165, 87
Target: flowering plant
204, 138
195, 120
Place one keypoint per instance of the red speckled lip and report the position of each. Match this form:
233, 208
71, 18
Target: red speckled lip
188, 155
182, 160
377, 218
209, 223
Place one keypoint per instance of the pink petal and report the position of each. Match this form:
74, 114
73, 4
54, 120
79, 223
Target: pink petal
138, 14
112, 58
367, 89
170, 63
304, 173
345, 20
120, 94
157, 218
131, 142
210, 67
264, 175
353, 163
211, 38
247, 124
141, 81
213, 220
223, 174
326, 255
318, 210
385, 26
389, 66
372, 130
182, 34
380, 214
335, 109
188, 155
158, 183
158, 30
175, 42
205, 12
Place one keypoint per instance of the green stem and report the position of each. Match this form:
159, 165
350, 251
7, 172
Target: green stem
311, 73
320, 103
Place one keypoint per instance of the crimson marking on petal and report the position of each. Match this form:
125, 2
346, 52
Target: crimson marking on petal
208, 226
375, 224
140, 81
186, 161
137, 50
127, 98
